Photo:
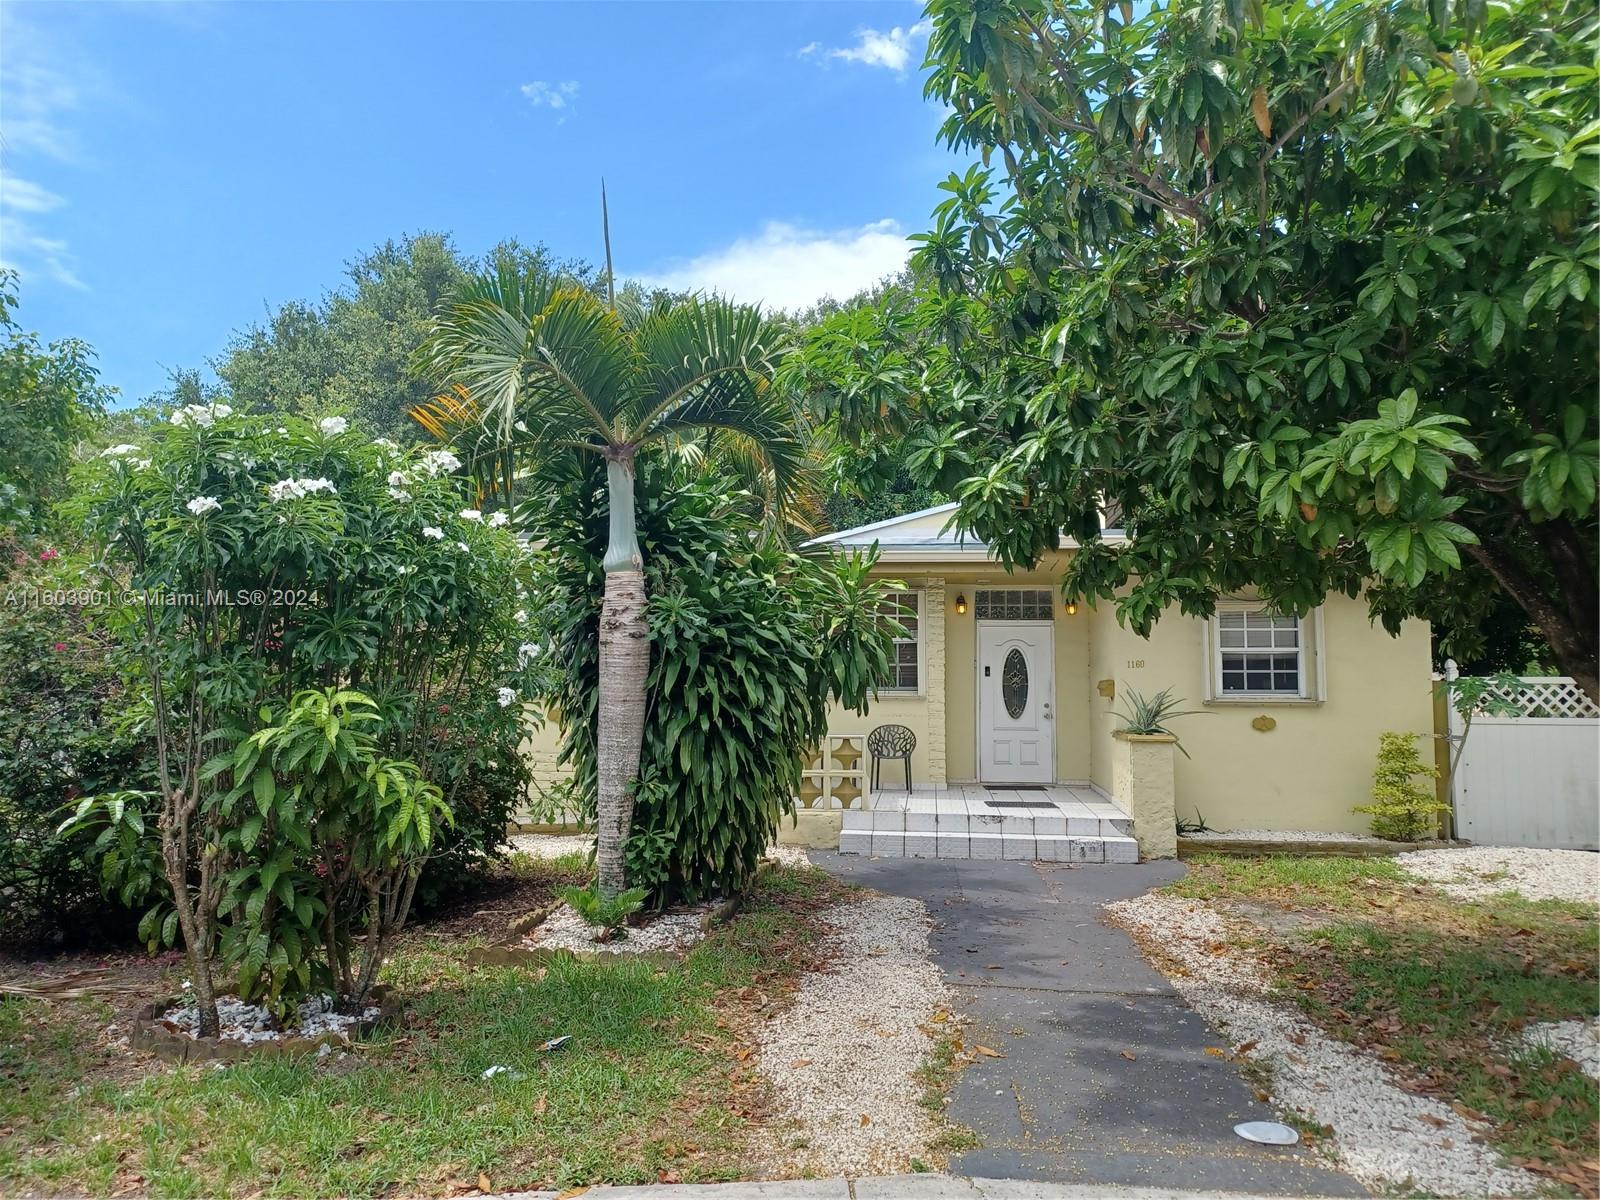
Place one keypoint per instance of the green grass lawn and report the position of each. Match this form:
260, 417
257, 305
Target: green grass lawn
652, 1085
1438, 987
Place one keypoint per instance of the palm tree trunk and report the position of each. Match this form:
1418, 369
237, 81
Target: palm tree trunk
624, 668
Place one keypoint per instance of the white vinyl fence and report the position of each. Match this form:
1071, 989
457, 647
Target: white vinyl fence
1533, 779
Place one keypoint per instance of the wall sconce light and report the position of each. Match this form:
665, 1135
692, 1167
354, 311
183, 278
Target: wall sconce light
1072, 609
961, 603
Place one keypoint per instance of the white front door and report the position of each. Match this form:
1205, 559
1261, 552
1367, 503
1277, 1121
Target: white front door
1016, 701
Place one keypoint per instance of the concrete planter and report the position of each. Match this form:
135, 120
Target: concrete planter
1141, 785
813, 828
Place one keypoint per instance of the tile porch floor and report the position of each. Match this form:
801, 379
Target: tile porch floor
957, 821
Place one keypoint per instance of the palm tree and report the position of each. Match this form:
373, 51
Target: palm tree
541, 368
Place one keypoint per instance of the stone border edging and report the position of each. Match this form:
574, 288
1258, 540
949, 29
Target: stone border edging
1190, 847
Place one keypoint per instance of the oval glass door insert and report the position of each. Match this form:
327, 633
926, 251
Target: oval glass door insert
1014, 683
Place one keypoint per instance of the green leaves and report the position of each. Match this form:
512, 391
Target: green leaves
1341, 221
749, 647
1558, 470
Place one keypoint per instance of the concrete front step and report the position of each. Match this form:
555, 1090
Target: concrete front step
1115, 848
893, 820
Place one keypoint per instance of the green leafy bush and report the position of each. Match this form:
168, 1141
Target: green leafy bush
1402, 810
750, 642
63, 738
270, 557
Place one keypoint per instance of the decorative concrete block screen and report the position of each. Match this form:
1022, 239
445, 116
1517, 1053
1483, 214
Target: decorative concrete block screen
836, 774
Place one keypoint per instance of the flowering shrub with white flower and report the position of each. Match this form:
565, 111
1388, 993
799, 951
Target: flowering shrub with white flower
271, 559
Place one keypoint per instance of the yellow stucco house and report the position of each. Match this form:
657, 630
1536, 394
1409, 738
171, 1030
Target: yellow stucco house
1011, 696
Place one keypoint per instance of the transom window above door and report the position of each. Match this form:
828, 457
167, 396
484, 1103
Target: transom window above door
1260, 653
1014, 604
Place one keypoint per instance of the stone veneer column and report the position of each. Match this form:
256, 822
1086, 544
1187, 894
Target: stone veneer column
1141, 786
933, 634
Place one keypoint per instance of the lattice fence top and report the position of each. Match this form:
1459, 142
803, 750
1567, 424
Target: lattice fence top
1549, 696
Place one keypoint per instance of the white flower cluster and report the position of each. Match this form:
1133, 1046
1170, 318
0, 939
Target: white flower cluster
123, 454
431, 465
203, 415
527, 652
499, 519
470, 514
201, 505
293, 489
333, 426
507, 697
438, 462
434, 532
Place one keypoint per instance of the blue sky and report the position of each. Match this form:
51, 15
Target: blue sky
169, 171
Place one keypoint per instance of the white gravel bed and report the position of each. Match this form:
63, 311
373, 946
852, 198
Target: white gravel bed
1472, 872
1577, 1040
241, 1022
673, 932
842, 1060
1386, 1137
549, 845
788, 856
1283, 835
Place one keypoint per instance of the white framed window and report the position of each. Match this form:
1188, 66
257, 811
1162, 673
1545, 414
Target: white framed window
1258, 654
905, 658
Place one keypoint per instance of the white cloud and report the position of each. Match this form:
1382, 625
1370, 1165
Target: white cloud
24, 196
35, 98
36, 103
788, 267
891, 49
551, 95
31, 253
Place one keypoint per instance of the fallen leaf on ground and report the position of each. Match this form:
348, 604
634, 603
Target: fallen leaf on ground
1130, 1055
484, 1185
800, 1062
1216, 1051
865, 1120
984, 1050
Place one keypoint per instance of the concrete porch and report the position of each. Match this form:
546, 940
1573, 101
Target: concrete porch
1053, 823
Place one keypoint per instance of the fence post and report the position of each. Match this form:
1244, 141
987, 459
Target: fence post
1444, 744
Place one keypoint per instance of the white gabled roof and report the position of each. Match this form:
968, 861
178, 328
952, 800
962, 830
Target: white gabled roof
925, 535
925, 527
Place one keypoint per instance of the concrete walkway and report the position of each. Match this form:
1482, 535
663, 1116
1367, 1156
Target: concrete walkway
887, 1187
1106, 1079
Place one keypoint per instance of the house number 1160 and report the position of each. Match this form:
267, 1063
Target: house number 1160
1135, 663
